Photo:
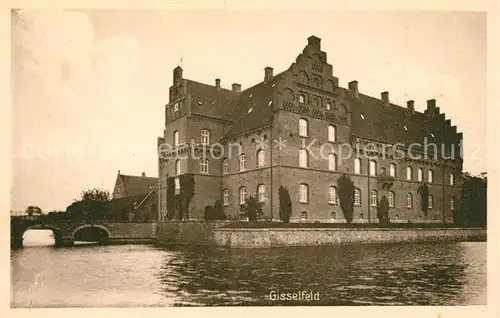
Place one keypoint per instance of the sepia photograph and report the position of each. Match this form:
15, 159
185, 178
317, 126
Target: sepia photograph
222, 157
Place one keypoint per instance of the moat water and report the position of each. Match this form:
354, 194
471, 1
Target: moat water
144, 275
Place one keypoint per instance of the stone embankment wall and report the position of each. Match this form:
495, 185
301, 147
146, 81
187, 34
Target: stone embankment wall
188, 232
280, 237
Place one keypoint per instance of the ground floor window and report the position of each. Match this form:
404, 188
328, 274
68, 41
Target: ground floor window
303, 215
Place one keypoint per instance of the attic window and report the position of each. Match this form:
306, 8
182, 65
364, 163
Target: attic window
405, 127
250, 95
270, 102
362, 117
250, 110
432, 135
176, 107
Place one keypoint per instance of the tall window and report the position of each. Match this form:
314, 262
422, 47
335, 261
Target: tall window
261, 191
303, 193
357, 197
328, 106
225, 166
302, 98
204, 165
452, 203
303, 215
373, 168
303, 127
177, 183
430, 176
431, 201
176, 138
176, 107
332, 195
243, 195
409, 200
260, 158
392, 170
357, 165
409, 173
225, 197
177, 167
242, 163
332, 133
205, 137
303, 158
332, 162
419, 174
373, 198
391, 199
452, 179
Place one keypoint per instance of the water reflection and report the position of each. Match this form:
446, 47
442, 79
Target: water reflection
141, 275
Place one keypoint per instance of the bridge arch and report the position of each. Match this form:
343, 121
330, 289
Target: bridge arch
98, 226
56, 230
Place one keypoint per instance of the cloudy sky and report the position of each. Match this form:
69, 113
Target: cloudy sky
89, 87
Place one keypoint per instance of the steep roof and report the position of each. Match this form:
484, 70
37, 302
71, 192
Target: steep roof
137, 185
372, 119
210, 101
254, 108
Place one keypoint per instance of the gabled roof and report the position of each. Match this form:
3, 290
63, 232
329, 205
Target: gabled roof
137, 185
254, 108
210, 101
130, 203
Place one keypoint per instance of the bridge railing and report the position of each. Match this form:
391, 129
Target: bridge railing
49, 218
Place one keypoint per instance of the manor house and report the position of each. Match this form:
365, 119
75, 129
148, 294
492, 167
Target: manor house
300, 129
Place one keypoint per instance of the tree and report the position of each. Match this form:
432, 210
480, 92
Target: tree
215, 212
473, 210
383, 211
424, 197
346, 196
187, 192
33, 210
92, 205
252, 209
170, 198
285, 204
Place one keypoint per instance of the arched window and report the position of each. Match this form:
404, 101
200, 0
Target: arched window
205, 137
328, 105
373, 168
357, 166
225, 197
303, 215
430, 176
225, 166
419, 174
332, 133
177, 167
177, 184
303, 193
176, 138
332, 195
261, 190
373, 198
392, 170
452, 179
204, 165
332, 162
357, 197
409, 200
316, 101
260, 158
303, 128
333, 215
302, 98
242, 163
409, 173
303, 160
431, 201
452, 203
243, 195
391, 199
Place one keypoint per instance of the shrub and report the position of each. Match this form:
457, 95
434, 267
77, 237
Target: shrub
285, 204
346, 196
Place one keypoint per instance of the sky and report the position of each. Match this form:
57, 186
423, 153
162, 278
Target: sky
89, 87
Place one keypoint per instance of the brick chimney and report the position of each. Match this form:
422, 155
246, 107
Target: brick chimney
385, 97
217, 82
410, 104
177, 75
268, 74
236, 88
143, 175
314, 42
431, 106
353, 87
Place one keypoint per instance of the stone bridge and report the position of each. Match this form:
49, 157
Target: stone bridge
67, 231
